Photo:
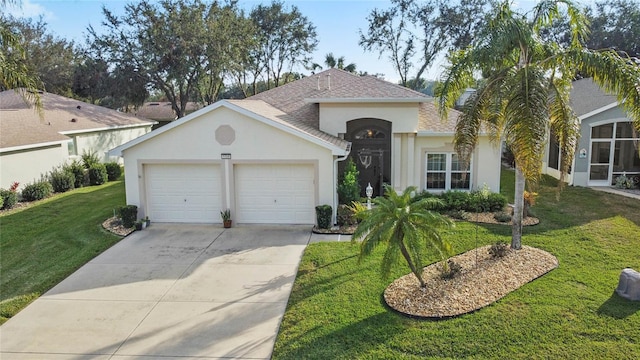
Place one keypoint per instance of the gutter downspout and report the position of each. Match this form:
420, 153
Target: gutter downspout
334, 216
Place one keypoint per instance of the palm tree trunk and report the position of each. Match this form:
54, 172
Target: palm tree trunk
518, 207
407, 257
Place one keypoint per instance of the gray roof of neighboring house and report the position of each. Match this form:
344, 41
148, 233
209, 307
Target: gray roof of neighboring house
300, 98
587, 96
21, 125
162, 110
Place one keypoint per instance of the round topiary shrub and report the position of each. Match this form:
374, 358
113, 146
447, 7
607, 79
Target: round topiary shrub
61, 180
37, 191
496, 202
9, 199
113, 170
128, 214
97, 174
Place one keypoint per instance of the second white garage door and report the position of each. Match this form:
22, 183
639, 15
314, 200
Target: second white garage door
275, 194
186, 193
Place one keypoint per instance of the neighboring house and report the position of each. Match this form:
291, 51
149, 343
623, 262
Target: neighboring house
162, 112
273, 157
31, 146
608, 145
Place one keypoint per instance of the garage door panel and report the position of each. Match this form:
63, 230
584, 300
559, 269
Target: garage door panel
275, 193
184, 192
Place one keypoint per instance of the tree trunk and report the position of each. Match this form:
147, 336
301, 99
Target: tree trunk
415, 271
518, 208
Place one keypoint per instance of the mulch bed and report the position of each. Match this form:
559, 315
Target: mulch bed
477, 285
114, 225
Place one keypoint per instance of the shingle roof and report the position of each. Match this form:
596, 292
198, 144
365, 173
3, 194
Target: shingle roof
162, 110
21, 125
586, 96
261, 108
300, 98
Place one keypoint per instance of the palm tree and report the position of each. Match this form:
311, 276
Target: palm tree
526, 93
405, 224
333, 62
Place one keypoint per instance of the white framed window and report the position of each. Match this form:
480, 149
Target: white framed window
445, 171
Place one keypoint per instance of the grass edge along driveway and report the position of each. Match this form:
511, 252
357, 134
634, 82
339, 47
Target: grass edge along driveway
44, 243
336, 310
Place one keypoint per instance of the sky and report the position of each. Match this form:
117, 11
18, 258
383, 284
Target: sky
337, 22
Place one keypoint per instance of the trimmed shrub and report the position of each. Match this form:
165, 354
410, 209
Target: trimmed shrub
1, 202
499, 249
97, 174
456, 200
349, 188
61, 180
113, 170
77, 169
128, 214
37, 191
496, 202
9, 199
323, 216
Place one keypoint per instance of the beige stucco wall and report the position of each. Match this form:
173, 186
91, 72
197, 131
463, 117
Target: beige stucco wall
255, 142
103, 141
27, 165
485, 161
334, 117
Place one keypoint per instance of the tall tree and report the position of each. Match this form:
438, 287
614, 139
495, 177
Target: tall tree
615, 24
413, 33
285, 38
90, 79
528, 81
406, 225
182, 48
51, 58
14, 74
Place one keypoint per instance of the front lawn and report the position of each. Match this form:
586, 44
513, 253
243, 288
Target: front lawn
44, 243
336, 310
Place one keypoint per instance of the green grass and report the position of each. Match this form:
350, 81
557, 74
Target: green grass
44, 243
336, 310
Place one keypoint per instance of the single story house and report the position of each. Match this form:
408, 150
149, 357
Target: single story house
608, 145
31, 146
271, 158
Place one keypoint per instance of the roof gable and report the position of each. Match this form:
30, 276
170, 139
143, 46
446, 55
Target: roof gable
587, 98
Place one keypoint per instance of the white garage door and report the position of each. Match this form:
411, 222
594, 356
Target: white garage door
275, 194
187, 193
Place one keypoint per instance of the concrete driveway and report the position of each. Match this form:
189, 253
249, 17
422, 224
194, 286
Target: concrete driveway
170, 291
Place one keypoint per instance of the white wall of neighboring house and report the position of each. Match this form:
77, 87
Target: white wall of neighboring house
101, 142
25, 166
194, 141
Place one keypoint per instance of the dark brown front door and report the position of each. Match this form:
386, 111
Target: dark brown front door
371, 151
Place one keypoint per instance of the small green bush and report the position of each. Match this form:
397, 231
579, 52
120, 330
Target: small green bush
1, 202
78, 171
348, 187
113, 170
128, 214
9, 199
89, 158
499, 249
456, 200
61, 180
97, 174
450, 269
345, 215
37, 191
496, 202
457, 214
502, 217
323, 216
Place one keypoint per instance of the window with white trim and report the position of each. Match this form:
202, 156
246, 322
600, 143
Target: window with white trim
445, 171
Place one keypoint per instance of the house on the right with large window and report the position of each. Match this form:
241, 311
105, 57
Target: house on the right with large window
608, 145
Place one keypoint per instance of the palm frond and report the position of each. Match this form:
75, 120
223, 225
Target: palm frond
564, 124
